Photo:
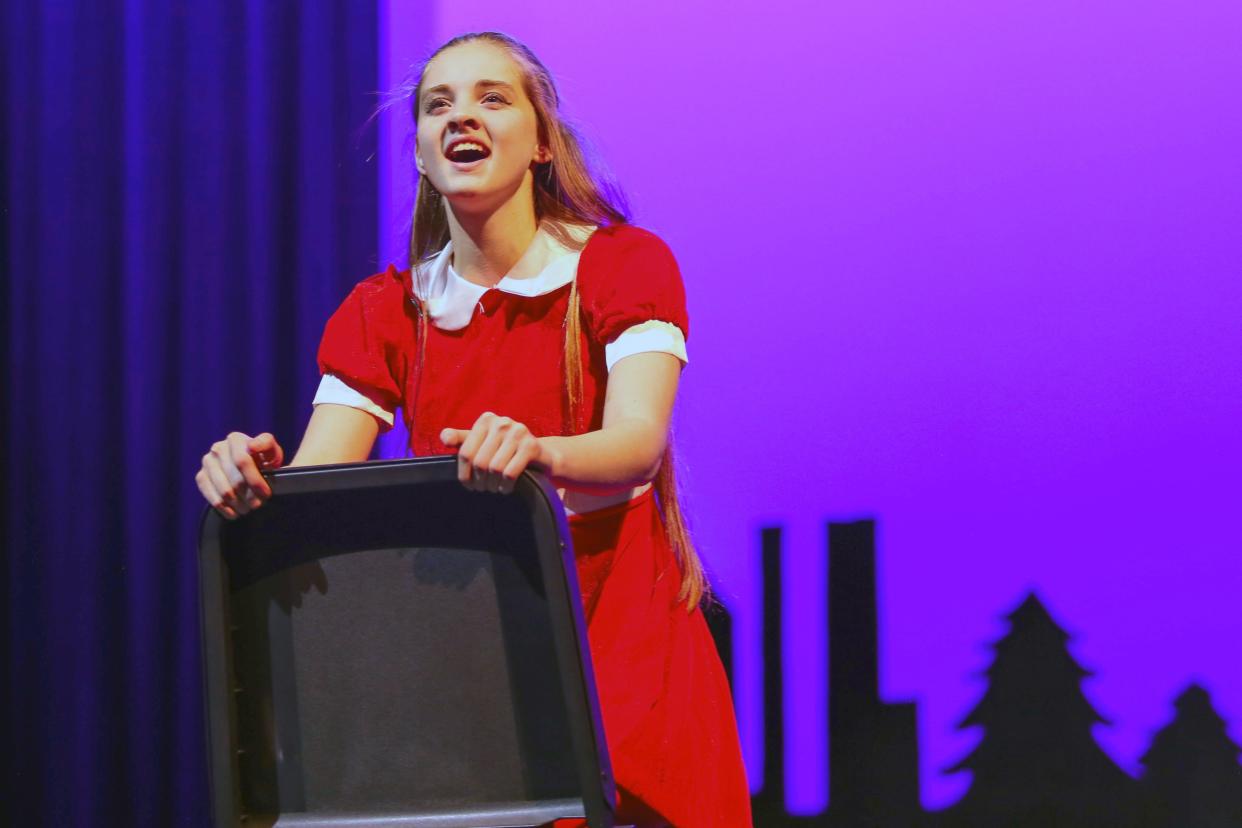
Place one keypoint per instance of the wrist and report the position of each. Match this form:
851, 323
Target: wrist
551, 456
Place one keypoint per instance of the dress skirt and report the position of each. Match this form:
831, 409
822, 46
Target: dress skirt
663, 694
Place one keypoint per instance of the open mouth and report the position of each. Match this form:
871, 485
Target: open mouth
464, 152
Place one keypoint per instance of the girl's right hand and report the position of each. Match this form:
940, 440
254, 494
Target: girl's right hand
231, 478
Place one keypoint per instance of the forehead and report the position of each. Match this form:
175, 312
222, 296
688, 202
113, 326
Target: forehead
467, 63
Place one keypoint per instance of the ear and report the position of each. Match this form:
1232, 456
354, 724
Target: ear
418, 160
543, 155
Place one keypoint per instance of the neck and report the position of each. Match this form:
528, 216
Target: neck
487, 244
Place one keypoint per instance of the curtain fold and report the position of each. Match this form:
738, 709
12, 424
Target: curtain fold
189, 190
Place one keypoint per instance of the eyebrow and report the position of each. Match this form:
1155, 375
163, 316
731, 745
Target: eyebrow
483, 84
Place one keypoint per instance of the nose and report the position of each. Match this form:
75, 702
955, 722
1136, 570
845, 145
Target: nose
461, 118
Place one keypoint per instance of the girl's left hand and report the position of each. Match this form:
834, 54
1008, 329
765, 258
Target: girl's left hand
493, 453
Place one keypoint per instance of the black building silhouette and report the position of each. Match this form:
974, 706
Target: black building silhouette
873, 745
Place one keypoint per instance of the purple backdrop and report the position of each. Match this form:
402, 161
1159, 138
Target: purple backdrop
972, 269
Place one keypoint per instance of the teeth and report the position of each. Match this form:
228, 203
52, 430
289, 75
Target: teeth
467, 145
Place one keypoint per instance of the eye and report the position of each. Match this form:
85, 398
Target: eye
433, 104
494, 97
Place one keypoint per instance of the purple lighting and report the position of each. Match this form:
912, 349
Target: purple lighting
974, 271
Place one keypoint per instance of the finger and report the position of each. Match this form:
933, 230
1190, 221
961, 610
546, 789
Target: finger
500, 460
517, 445
236, 480
203, 480
469, 449
464, 470
239, 454
476, 435
486, 477
496, 450
456, 437
527, 451
224, 487
257, 488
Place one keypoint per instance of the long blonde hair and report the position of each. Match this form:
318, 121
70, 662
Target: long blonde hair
567, 193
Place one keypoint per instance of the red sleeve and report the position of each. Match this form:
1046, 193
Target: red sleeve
628, 276
368, 340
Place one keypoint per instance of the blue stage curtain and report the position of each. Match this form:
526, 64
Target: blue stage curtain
189, 190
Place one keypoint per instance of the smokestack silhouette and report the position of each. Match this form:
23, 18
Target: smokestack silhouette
769, 804
872, 746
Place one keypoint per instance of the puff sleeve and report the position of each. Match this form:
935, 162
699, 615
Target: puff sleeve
363, 352
633, 298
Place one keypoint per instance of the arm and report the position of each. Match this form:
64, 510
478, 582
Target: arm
336, 434
231, 478
357, 344
626, 451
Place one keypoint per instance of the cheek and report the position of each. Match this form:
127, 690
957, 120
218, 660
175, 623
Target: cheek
425, 150
521, 137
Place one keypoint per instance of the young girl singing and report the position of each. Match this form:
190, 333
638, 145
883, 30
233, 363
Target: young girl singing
538, 328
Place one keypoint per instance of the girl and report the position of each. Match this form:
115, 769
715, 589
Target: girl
538, 328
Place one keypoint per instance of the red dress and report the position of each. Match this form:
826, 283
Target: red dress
668, 716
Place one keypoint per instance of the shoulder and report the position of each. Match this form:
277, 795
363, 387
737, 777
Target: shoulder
383, 298
628, 258
623, 244
377, 308
387, 285
628, 276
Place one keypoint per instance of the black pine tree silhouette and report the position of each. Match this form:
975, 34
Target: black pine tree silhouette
1038, 764
1191, 776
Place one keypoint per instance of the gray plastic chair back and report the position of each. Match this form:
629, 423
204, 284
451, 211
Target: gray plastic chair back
384, 648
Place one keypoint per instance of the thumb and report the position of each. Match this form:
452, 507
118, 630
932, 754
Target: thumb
453, 436
269, 453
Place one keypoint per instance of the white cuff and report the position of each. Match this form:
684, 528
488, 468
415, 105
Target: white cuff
333, 390
647, 337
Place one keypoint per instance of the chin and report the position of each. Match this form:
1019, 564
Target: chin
477, 199
467, 194
470, 200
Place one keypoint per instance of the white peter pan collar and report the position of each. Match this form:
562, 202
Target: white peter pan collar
451, 300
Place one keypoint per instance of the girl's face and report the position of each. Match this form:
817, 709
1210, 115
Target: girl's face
477, 135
